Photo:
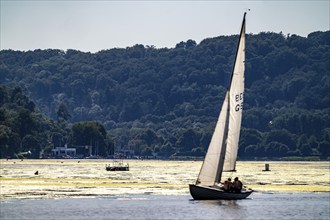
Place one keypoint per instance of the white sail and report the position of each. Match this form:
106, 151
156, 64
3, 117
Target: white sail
210, 168
222, 152
236, 92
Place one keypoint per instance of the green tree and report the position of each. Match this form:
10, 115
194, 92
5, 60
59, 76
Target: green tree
31, 144
170, 90
281, 136
324, 149
254, 151
276, 149
63, 113
188, 140
249, 137
91, 134
24, 123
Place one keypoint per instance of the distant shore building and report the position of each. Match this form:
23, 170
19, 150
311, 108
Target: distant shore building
64, 151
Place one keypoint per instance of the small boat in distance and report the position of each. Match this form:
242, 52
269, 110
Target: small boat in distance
222, 152
117, 166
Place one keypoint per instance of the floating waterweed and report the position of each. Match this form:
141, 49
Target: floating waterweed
89, 178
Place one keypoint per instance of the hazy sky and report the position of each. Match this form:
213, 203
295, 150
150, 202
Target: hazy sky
97, 25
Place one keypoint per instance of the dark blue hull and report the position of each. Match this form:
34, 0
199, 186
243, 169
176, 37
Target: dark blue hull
212, 193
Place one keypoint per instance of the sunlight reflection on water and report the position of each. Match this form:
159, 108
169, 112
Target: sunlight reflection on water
87, 178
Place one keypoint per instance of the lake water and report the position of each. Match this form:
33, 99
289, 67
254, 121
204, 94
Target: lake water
83, 189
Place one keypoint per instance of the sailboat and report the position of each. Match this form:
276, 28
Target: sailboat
222, 152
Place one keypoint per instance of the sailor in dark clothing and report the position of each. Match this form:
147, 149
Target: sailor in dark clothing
228, 185
237, 185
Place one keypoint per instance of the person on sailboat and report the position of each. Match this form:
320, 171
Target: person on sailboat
237, 185
227, 186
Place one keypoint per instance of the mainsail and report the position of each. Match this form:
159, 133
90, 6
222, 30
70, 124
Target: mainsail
222, 152
236, 91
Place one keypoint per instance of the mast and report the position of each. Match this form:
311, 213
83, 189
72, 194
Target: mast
222, 151
236, 91
229, 150
224, 142
242, 33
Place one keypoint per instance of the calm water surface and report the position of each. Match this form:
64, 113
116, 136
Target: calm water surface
83, 189
259, 206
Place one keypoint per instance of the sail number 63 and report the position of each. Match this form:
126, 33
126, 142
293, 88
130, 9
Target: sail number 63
239, 98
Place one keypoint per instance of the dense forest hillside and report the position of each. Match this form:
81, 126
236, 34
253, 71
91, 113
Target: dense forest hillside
166, 101
25, 132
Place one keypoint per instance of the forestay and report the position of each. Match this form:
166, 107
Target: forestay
222, 152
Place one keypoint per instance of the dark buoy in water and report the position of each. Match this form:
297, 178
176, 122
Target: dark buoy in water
266, 167
36, 173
